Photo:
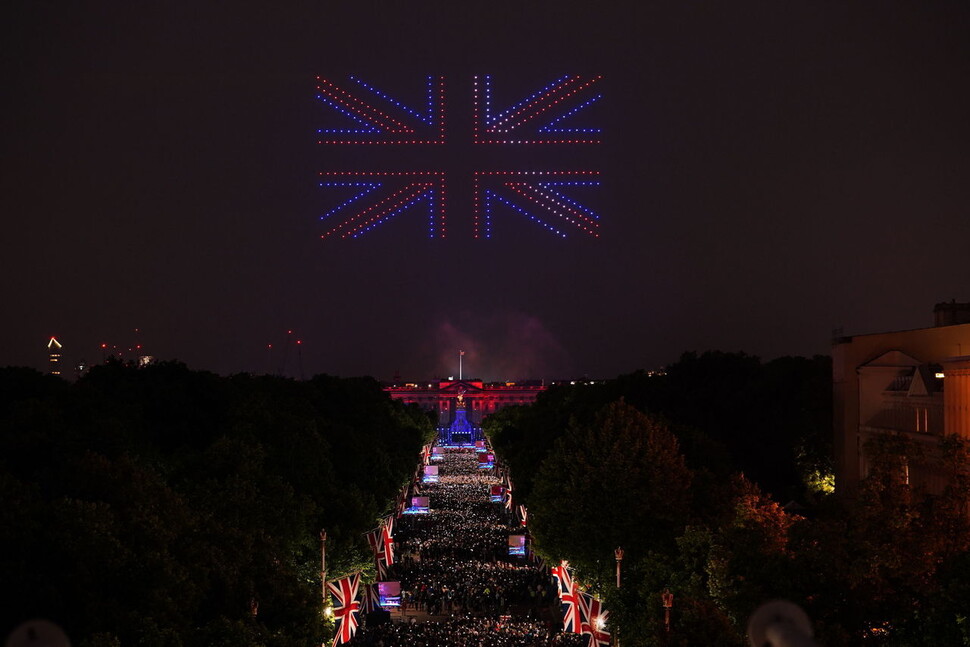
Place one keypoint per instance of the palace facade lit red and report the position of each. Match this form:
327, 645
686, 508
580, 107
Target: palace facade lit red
480, 398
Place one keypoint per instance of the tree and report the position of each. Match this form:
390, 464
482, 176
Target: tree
619, 480
159, 505
750, 561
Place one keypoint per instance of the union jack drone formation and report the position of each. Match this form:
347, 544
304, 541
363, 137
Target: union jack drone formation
547, 117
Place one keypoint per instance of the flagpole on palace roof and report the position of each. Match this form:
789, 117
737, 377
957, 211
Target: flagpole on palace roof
461, 354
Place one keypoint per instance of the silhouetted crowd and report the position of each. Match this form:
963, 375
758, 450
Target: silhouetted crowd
469, 535
449, 585
466, 632
454, 562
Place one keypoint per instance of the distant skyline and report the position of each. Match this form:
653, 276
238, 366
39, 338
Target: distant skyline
769, 173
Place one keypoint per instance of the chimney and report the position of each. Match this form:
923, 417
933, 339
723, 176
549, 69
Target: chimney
951, 314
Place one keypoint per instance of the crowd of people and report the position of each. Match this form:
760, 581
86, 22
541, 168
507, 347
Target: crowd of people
466, 535
466, 631
476, 587
459, 585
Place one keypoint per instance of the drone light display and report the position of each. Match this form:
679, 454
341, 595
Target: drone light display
535, 195
399, 192
357, 112
538, 118
380, 118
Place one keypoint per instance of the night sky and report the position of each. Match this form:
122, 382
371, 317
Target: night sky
770, 170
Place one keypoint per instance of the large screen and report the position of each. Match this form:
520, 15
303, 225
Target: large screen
389, 594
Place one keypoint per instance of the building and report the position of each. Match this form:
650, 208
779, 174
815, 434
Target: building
54, 357
479, 398
912, 382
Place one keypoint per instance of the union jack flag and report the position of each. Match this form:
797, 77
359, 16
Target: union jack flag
356, 111
537, 196
523, 515
394, 193
373, 116
372, 598
508, 497
345, 607
381, 542
543, 117
559, 572
388, 540
402, 503
541, 565
594, 621
375, 539
569, 595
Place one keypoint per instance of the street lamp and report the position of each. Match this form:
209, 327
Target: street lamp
668, 601
618, 553
619, 560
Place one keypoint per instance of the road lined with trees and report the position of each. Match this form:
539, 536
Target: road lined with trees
161, 506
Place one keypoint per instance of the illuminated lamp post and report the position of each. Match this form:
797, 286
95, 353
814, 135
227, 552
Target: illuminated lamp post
668, 601
618, 553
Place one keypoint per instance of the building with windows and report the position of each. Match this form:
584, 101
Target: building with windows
912, 382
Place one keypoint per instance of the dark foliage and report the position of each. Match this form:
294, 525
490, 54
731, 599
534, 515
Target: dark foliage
888, 568
162, 506
730, 412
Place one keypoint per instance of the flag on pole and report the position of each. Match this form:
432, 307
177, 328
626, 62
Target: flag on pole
375, 539
557, 572
541, 565
372, 598
387, 535
508, 495
569, 595
345, 607
572, 612
523, 515
594, 621
381, 542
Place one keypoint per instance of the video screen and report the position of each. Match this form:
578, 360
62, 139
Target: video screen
389, 594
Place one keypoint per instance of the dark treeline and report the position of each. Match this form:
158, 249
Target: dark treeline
686, 470
164, 506
731, 412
